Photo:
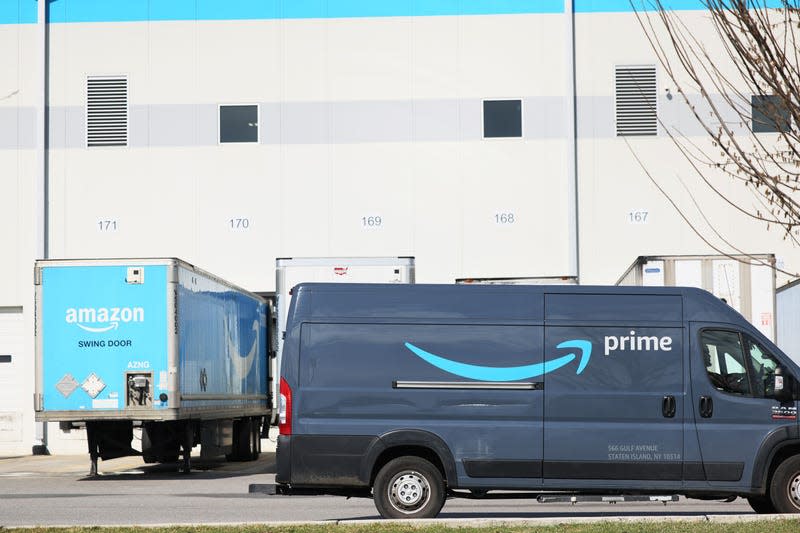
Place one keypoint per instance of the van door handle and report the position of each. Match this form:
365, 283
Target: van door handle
706, 406
668, 407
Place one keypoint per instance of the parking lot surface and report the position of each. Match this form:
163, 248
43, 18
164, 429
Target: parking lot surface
56, 490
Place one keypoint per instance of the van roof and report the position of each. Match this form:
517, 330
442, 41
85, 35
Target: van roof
516, 303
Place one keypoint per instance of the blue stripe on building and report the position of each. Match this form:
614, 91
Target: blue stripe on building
18, 11
145, 10
623, 6
61, 11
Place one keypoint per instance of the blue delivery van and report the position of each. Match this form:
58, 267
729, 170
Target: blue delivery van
413, 393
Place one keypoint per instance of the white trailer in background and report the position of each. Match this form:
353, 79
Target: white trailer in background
537, 280
745, 282
290, 271
787, 302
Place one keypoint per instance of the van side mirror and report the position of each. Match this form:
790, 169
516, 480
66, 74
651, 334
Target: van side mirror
782, 386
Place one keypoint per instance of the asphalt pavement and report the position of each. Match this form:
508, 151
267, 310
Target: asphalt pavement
56, 491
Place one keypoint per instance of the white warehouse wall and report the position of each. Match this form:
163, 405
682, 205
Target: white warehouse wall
613, 183
392, 130
17, 237
361, 117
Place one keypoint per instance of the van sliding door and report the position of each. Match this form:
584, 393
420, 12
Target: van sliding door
621, 417
614, 417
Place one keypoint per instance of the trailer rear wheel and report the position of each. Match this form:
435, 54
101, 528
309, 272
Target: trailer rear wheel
785, 487
255, 435
409, 487
245, 447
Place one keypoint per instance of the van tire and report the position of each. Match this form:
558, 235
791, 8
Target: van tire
761, 504
785, 487
409, 487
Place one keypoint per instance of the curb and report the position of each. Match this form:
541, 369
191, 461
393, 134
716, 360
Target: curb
464, 522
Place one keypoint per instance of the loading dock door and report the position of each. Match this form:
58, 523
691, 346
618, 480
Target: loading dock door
14, 396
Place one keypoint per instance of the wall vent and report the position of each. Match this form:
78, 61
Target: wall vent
107, 111
635, 100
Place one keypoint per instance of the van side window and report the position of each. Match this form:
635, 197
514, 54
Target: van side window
724, 361
763, 365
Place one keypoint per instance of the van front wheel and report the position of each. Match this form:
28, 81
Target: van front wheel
408, 487
785, 487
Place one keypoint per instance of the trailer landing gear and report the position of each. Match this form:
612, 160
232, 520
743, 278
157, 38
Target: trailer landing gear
91, 437
108, 439
188, 442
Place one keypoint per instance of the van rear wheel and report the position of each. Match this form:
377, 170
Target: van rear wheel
409, 487
785, 487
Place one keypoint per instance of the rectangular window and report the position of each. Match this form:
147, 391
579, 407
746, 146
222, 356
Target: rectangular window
238, 123
764, 366
107, 111
502, 118
724, 359
737, 364
769, 114
635, 100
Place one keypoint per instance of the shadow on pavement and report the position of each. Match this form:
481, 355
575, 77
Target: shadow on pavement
217, 468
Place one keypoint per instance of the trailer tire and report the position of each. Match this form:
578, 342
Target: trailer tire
761, 504
409, 487
784, 490
245, 440
255, 437
242, 442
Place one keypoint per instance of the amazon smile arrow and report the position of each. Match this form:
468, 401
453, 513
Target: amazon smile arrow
511, 373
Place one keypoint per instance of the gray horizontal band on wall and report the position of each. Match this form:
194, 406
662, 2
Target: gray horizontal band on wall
289, 123
484, 385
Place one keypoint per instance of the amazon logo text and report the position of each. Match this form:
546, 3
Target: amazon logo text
101, 319
634, 342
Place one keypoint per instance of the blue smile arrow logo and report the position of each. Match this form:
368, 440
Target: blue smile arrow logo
511, 373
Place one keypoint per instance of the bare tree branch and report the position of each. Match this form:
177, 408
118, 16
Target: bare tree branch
745, 96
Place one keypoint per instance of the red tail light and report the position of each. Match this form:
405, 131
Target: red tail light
285, 409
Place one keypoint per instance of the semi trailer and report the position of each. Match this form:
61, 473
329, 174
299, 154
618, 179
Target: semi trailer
153, 348
745, 282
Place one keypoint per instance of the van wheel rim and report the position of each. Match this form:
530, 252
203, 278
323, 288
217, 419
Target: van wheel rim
409, 491
794, 490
